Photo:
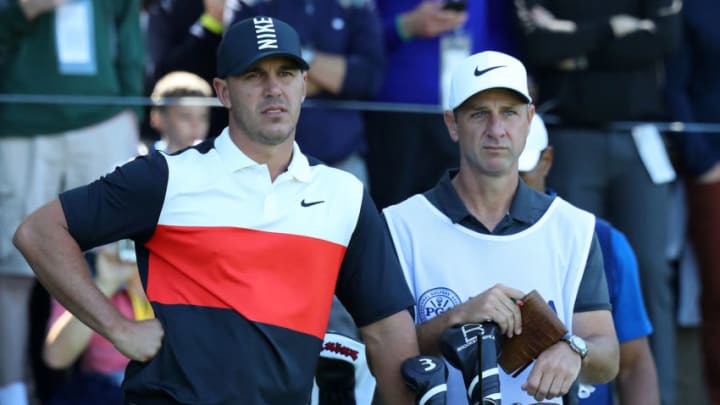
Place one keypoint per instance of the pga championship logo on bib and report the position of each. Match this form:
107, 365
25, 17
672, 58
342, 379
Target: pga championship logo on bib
436, 301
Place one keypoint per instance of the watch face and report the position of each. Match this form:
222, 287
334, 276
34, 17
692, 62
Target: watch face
579, 344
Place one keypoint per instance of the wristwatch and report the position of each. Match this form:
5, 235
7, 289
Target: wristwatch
577, 344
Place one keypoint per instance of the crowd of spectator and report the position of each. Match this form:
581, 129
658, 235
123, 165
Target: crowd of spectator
602, 73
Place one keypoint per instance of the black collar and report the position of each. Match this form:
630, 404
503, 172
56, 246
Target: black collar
526, 208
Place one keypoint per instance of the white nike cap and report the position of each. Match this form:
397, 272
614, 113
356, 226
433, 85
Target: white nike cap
487, 70
537, 141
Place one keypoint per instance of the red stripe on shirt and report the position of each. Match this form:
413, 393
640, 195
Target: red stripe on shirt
279, 279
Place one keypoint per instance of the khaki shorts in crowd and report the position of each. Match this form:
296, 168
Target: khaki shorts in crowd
35, 169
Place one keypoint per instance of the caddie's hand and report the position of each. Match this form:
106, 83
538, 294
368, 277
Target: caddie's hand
553, 372
429, 20
139, 340
33, 8
495, 304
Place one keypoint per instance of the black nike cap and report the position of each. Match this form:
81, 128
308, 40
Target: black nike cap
250, 40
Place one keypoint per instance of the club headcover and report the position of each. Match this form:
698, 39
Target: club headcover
426, 376
459, 345
336, 382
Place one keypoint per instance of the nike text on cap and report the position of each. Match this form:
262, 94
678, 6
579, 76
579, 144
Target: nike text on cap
537, 141
487, 70
252, 39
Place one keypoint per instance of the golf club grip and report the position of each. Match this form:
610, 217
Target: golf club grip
489, 374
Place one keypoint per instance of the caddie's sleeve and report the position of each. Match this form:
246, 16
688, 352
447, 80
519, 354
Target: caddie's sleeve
593, 292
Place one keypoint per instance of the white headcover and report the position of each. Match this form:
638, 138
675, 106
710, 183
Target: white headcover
537, 141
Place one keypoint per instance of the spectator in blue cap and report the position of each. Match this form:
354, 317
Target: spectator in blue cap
637, 381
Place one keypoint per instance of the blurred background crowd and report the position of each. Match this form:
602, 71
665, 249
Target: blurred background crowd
628, 89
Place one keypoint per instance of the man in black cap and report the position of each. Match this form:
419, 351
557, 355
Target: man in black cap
241, 242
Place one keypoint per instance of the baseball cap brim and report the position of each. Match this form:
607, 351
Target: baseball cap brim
244, 66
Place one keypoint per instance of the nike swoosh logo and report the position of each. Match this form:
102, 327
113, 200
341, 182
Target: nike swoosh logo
311, 203
482, 72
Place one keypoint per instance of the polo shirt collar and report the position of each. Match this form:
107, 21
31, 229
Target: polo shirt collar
525, 205
235, 159
523, 208
446, 198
